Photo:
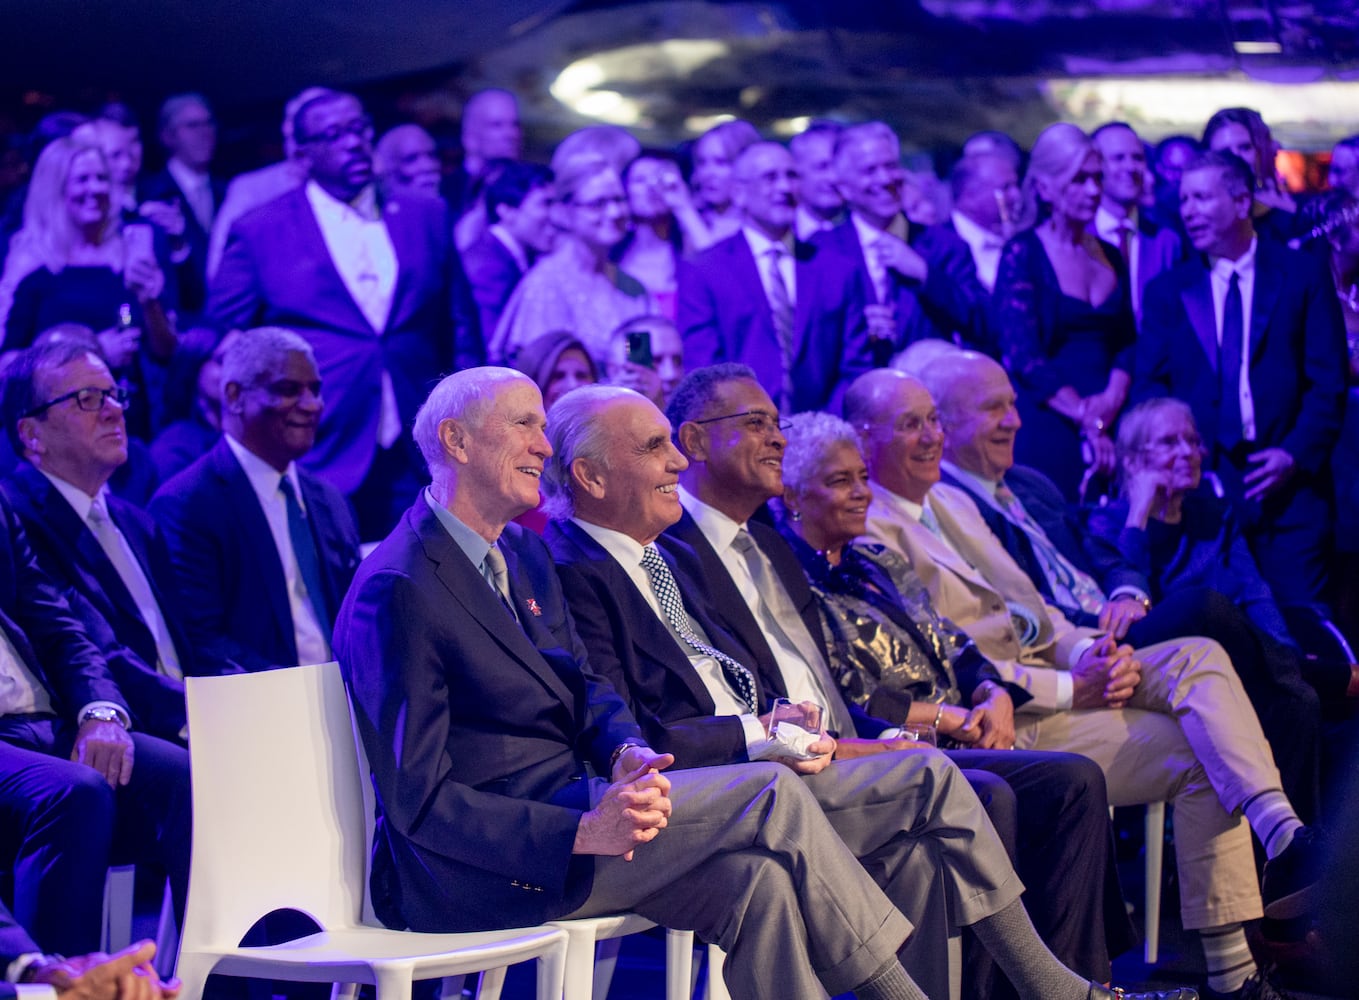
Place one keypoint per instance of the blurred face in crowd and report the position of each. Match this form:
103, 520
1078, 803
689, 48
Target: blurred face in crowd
906, 442
191, 136
121, 146
766, 188
1078, 198
712, 174
991, 198
647, 181
82, 446
741, 444
335, 140
834, 500
1234, 137
1217, 221
409, 160
871, 178
667, 355
87, 190
491, 128
1171, 161
209, 383
572, 370
814, 154
279, 416
1345, 170
1125, 165
1172, 449
982, 420
530, 222
634, 488
598, 212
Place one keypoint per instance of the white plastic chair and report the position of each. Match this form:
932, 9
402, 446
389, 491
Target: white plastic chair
1155, 836
279, 823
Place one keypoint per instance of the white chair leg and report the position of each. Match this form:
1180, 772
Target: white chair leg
679, 965
119, 893
717, 986
580, 966
552, 974
344, 991
393, 980
489, 984
1151, 919
606, 960
193, 971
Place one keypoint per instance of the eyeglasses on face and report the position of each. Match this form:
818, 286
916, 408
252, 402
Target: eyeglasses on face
756, 421
361, 127
91, 399
1170, 442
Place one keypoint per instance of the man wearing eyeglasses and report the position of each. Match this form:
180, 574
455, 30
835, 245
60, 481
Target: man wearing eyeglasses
373, 284
64, 414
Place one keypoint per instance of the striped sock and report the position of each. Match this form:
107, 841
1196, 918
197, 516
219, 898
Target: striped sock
1228, 957
1271, 816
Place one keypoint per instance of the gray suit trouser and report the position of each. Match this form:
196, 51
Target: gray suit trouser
772, 866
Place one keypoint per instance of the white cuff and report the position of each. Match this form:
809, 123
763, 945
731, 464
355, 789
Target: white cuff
1066, 690
756, 738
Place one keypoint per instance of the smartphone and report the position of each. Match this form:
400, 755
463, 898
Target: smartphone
138, 242
639, 348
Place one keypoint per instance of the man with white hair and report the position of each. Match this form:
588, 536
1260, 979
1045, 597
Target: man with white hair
408, 162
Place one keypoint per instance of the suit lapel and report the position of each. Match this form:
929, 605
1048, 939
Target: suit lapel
402, 232
1264, 295
311, 246
1197, 296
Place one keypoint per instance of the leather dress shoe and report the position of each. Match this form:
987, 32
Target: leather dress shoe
1291, 880
1098, 992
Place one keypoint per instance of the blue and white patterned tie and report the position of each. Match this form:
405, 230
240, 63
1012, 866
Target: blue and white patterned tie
667, 594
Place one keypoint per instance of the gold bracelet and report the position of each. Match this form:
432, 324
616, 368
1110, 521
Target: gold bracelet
938, 715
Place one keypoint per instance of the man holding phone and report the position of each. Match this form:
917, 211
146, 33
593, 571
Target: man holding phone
646, 354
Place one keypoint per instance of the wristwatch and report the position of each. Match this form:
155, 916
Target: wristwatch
102, 713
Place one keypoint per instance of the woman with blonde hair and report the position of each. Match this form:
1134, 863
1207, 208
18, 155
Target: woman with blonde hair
1063, 316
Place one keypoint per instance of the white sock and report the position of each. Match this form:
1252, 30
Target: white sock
1271, 816
1227, 956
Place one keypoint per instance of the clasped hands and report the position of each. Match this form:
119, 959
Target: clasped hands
635, 807
1105, 676
128, 975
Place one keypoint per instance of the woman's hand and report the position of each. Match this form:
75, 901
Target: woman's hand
1147, 491
144, 279
119, 345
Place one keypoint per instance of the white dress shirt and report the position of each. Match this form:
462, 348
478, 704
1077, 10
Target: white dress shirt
807, 224
313, 645
877, 270
760, 245
627, 552
20, 690
1110, 228
985, 246
1220, 279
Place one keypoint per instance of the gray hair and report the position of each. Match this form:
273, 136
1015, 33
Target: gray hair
466, 396
1135, 427
257, 354
698, 389
574, 433
855, 134
810, 437
172, 107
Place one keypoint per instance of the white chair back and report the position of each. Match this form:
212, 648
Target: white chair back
278, 802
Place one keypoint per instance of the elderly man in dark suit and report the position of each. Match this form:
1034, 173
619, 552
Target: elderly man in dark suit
512, 784
95, 545
76, 781
1249, 334
785, 308
263, 550
371, 282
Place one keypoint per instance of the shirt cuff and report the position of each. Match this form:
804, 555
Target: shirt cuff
122, 712
1133, 592
20, 965
35, 991
1066, 690
756, 738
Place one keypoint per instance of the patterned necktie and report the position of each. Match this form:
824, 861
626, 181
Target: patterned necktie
663, 585
125, 563
304, 551
1229, 367
1072, 590
781, 306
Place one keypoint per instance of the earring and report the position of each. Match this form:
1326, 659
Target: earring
796, 515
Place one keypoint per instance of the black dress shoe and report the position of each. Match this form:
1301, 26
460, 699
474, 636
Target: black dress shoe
1257, 987
1290, 883
1098, 992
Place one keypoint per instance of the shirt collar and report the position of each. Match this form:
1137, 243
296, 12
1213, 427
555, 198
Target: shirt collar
719, 529
80, 501
987, 486
897, 502
364, 205
473, 546
263, 476
760, 243
1243, 265
1107, 225
185, 176
624, 548
975, 235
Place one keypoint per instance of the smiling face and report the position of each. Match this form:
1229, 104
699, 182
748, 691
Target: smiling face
907, 443
279, 415
87, 190
598, 212
982, 421
815, 155
834, 501
633, 489
1125, 165
767, 188
83, 447
499, 458
871, 178
742, 453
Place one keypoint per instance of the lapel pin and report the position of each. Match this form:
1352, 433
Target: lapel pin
534, 610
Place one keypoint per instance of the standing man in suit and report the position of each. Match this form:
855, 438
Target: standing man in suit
1096, 586
490, 131
762, 299
1148, 248
371, 282
1166, 722
76, 779
986, 209
820, 204
517, 205
484, 726
408, 161
263, 550
95, 545
920, 280
189, 134
1249, 334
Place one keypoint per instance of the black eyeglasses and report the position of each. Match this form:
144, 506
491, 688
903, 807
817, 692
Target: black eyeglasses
91, 399
759, 421
361, 127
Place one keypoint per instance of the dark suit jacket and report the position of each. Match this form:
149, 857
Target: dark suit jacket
481, 733
950, 301
277, 271
1297, 352
46, 635
68, 550
492, 273
1064, 528
725, 316
162, 186
633, 649
230, 576
1158, 249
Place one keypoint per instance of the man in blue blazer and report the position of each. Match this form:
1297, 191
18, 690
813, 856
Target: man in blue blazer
1265, 378
261, 567
106, 553
374, 286
786, 309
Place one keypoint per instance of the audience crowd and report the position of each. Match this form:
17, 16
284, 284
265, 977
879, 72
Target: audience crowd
732, 511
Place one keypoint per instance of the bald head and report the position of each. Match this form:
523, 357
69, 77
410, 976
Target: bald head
490, 129
977, 406
766, 188
407, 161
897, 419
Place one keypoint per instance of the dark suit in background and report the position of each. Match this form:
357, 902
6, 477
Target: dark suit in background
231, 578
192, 270
1296, 365
492, 274
724, 315
68, 550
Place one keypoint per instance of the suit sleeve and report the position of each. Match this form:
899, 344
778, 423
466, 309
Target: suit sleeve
697, 317
1324, 367
952, 295
234, 297
1151, 356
